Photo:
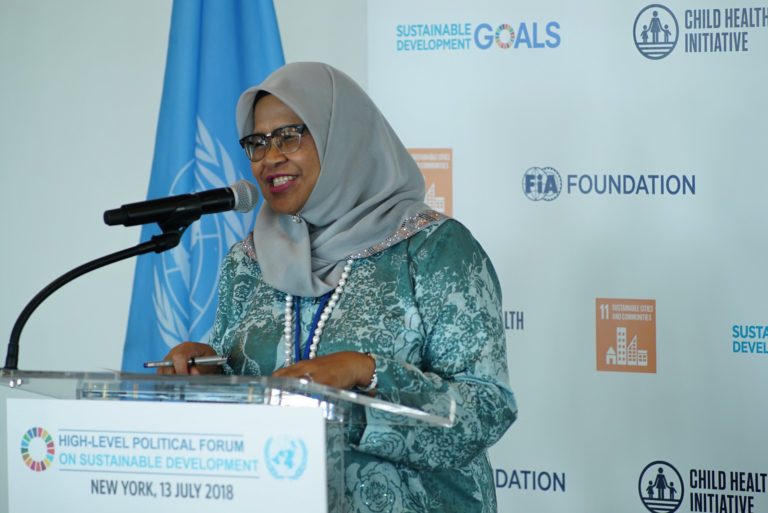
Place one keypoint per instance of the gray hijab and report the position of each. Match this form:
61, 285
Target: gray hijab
368, 184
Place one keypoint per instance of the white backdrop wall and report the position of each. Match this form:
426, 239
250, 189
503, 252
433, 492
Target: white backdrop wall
635, 315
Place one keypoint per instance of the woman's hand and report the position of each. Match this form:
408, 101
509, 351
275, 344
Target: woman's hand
345, 369
180, 356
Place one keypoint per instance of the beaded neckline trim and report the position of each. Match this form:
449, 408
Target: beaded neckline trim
410, 227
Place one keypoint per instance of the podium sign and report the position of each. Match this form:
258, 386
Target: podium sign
127, 456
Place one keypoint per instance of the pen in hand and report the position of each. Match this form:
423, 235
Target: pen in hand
200, 360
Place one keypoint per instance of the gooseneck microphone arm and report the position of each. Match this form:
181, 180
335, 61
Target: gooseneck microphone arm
158, 244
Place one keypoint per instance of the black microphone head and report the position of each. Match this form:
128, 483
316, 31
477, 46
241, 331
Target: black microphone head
246, 195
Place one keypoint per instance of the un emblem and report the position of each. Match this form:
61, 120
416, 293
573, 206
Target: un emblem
286, 457
542, 183
661, 487
655, 31
186, 278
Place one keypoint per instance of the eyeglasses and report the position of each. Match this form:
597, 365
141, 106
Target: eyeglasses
287, 140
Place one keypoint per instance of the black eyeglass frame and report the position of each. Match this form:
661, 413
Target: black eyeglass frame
274, 134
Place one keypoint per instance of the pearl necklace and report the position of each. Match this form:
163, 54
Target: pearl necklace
289, 317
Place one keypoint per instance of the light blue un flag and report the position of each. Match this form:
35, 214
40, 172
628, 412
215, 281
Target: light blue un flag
217, 49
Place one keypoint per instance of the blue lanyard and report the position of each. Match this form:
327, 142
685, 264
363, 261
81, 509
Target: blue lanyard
297, 332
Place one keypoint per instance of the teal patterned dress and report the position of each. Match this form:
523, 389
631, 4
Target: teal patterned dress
426, 304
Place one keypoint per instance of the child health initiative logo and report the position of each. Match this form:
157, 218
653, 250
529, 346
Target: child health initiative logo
661, 487
655, 31
626, 335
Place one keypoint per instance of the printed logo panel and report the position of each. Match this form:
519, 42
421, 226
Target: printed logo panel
436, 164
714, 30
663, 489
160, 456
546, 183
463, 36
626, 335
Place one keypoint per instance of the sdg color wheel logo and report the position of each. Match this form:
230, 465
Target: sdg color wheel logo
37, 449
661, 487
655, 32
505, 36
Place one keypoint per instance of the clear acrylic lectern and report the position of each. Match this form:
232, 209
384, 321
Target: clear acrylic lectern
342, 410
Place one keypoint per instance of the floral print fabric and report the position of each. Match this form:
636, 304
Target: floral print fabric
429, 311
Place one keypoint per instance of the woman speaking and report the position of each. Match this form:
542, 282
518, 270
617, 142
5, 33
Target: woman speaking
348, 279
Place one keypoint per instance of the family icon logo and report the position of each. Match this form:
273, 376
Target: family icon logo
661, 487
37, 449
436, 164
626, 335
655, 32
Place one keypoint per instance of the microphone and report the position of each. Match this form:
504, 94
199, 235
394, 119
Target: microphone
241, 196
174, 214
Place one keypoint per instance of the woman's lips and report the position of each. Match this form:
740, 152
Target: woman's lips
280, 182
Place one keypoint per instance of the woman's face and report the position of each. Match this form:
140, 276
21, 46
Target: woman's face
286, 181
